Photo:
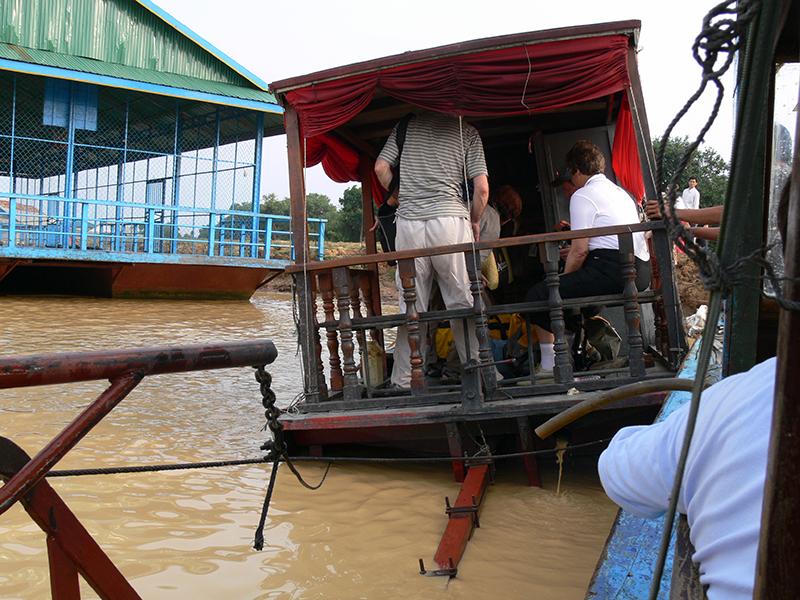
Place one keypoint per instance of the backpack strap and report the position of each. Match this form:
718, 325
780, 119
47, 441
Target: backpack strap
400, 139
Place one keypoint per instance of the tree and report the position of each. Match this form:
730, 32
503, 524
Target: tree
348, 226
270, 205
706, 165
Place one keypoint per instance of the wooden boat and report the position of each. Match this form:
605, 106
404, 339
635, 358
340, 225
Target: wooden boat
343, 116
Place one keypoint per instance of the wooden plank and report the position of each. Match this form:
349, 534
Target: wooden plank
523, 240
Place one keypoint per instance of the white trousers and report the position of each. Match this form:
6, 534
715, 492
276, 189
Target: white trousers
450, 272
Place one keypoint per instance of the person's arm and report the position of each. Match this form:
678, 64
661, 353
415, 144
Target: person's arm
701, 216
479, 198
384, 172
578, 251
705, 233
638, 467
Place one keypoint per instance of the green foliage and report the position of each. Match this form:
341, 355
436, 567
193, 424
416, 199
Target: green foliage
706, 165
348, 224
344, 224
270, 205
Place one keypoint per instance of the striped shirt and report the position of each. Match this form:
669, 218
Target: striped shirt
437, 149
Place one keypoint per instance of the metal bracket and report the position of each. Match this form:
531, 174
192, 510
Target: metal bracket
451, 572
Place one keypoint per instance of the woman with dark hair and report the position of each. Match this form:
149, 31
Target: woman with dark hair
593, 265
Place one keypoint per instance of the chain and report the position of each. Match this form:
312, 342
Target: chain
276, 448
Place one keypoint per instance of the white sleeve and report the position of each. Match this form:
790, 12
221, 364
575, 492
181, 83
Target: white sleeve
638, 468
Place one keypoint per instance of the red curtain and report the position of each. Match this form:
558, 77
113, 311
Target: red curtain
625, 161
506, 81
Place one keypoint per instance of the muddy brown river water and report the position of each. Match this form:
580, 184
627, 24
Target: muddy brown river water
189, 534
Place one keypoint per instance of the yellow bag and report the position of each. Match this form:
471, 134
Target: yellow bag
496, 269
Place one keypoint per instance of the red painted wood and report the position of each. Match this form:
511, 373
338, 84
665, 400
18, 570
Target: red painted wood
72, 545
28, 476
460, 526
64, 584
49, 369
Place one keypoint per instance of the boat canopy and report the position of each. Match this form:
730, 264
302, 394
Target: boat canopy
522, 74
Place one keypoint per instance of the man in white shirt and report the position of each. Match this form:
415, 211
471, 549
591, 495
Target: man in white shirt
691, 196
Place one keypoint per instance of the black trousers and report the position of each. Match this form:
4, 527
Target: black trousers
600, 275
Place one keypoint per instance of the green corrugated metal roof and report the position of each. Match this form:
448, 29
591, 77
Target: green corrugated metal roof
117, 33
85, 65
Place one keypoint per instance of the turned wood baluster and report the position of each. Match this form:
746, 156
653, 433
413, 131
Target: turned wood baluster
326, 289
407, 271
323, 388
489, 374
659, 315
309, 340
631, 295
562, 371
341, 286
355, 304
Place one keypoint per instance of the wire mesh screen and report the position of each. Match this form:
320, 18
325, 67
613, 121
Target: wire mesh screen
94, 167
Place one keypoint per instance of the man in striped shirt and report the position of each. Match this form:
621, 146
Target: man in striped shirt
439, 154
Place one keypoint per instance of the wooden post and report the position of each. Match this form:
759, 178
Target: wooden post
489, 374
341, 285
407, 271
562, 371
669, 296
297, 192
326, 289
321, 384
631, 295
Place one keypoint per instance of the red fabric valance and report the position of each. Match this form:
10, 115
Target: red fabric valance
507, 81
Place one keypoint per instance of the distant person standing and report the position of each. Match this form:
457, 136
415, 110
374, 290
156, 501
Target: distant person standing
691, 196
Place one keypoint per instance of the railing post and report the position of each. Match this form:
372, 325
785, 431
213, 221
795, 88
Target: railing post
12, 222
268, 238
326, 289
151, 217
631, 294
321, 241
408, 273
212, 233
322, 385
562, 371
488, 374
342, 284
84, 225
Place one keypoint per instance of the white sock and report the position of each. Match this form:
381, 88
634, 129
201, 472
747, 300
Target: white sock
548, 356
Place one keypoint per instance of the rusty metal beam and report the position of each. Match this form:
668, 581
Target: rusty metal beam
463, 518
47, 369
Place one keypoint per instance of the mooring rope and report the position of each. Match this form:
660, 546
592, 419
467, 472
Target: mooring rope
311, 459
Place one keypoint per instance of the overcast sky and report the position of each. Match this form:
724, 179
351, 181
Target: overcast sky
277, 40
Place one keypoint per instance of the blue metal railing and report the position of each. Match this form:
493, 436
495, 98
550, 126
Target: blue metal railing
63, 224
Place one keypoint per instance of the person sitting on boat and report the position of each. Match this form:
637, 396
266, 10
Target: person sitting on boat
438, 150
722, 490
593, 266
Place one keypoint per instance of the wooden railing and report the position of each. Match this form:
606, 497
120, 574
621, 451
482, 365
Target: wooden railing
348, 288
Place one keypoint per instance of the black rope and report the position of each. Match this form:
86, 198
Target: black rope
258, 542
328, 459
154, 468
